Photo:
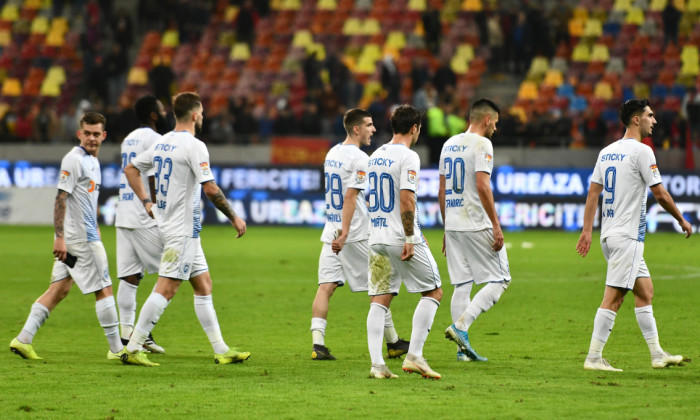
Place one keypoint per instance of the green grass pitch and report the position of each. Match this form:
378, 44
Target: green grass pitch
535, 338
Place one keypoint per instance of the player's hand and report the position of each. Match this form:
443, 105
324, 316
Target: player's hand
337, 244
407, 252
687, 228
584, 244
425, 239
59, 249
497, 239
148, 207
240, 226
444, 250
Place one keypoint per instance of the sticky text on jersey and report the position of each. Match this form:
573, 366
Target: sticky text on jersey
381, 162
613, 157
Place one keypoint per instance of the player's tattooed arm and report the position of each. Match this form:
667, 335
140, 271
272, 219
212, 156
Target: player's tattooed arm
59, 212
218, 199
407, 221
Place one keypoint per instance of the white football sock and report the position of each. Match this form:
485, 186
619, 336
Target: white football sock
204, 308
647, 323
460, 300
106, 311
602, 327
150, 314
37, 315
483, 300
318, 330
126, 300
375, 325
422, 321
390, 335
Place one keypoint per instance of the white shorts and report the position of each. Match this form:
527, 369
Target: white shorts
138, 250
91, 271
471, 258
387, 271
183, 258
625, 259
350, 264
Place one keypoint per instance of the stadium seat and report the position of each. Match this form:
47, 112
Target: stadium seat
689, 54
658, 91
171, 38
576, 27
137, 76
302, 39
693, 6
593, 28
559, 63
528, 90
657, 5
11, 87
615, 65
622, 5
40, 25
600, 53
472, 6
10, 12
240, 52
327, 5
581, 53
553, 78
635, 16
417, 5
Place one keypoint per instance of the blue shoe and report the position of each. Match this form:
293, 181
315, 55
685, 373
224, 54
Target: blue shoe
461, 357
462, 339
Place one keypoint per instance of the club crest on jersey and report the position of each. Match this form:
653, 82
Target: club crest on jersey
360, 178
412, 177
64, 175
205, 168
488, 158
655, 170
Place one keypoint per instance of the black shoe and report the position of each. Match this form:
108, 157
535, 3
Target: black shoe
321, 353
397, 349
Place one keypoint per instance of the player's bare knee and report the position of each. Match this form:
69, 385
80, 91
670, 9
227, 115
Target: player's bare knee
134, 279
435, 294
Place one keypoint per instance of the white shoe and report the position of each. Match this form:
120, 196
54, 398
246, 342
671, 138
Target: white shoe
381, 372
664, 359
599, 364
413, 364
150, 346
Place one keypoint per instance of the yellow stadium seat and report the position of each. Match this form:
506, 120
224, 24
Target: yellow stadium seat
582, 52
640, 90
371, 52
396, 39
5, 38
240, 52
417, 5
693, 6
55, 39
553, 78
472, 6
600, 53
49, 88
56, 74
690, 68
459, 65
137, 76
371, 27
576, 27
593, 28
538, 67
317, 48
580, 13
622, 5
302, 39
327, 5
34, 4
59, 24
352, 26
689, 53
9, 12
366, 65
230, 13
40, 25
528, 90
657, 5
171, 38
603, 90
465, 52
11, 87
635, 16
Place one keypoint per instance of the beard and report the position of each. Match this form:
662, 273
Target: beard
198, 127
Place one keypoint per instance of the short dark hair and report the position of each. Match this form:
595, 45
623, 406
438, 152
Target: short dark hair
404, 117
92, 117
481, 107
354, 117
143, 108
184, 103
631, 108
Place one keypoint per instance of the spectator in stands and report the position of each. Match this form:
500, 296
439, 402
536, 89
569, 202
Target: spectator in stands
245, 23
671, 18
433, 28
425, 97
444, 78
117, 65
391, 79
245, 125
329, 108
594, 129
310, 121
522, 43
560, 16
379, 108
420, 73
221, 128
690, 108
23, 126
98, 81
495, 42
161, 77
123, 29
436, 129
286, 123
44, 125
312, 72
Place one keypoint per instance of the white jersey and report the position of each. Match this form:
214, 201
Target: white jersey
345, 167
392, 168
461, 158
625, 169
181, 163
80, 178
130, 210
